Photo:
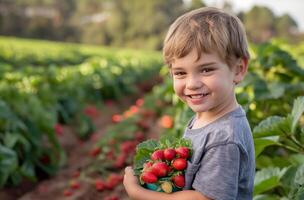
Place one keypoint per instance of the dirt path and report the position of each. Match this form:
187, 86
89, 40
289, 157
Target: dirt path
77, 153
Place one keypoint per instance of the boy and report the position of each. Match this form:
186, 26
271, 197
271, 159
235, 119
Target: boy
206, 50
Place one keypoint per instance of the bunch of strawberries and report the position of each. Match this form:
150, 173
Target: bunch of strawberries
164, 171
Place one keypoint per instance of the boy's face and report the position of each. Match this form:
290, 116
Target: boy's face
206, 84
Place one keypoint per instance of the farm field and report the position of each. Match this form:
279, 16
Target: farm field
72, 115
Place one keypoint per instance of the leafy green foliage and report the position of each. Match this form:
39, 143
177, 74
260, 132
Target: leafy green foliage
42, 88
143, 153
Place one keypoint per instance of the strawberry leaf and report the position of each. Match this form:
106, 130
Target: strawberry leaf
143, 152
272, 126
297, 112
261, 143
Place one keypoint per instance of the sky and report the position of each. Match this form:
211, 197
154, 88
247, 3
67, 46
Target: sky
295, 8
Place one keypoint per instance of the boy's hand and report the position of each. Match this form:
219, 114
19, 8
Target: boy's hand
130, 181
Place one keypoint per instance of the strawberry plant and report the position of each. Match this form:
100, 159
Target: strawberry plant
41, 92
159, 165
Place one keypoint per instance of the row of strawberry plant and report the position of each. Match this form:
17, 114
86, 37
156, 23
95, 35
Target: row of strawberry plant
18, 53
34, 100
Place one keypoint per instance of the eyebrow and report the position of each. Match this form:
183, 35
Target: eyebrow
200, 65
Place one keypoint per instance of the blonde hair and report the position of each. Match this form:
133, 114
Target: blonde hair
208, 30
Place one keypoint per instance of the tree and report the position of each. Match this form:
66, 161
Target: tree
138, 23
194, 4
285, 26
259, 23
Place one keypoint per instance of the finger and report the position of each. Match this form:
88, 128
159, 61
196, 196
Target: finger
129, 170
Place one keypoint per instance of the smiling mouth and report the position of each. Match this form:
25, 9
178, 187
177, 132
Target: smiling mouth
197, 96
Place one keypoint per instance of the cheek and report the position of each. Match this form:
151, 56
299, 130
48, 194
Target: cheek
178, 87
218, 83
213, 83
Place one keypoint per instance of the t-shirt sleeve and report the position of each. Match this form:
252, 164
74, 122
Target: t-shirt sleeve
217, 178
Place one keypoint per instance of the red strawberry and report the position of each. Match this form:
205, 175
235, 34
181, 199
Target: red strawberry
158, 155
114, 197
58, 129
169, 154
160, 169
179, 164
166, 121
100, 185
110, 155
113, 180
95, 151
109, 102
133, 109
120, 160
147, 166
148, 177
45, 159
127, 146
91, 111
179, 180
139, 136
75, 185
183, 152
139, 102
67, 193
116, 118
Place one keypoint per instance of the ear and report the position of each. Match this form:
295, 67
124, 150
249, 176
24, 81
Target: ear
240, 70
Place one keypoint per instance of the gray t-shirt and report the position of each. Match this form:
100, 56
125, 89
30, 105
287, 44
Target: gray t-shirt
222, 166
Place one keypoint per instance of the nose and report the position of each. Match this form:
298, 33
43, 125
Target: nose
194, 82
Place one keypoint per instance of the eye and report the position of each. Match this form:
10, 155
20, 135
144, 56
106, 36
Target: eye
206, 70
179, 73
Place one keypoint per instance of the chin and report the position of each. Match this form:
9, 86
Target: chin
198, 109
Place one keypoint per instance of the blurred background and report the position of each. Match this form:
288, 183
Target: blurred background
83, 83
137, 23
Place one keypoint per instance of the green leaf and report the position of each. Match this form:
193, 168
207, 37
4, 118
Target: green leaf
148, 144
299, 176
140, 158
8, 163
300, 193
261, 91
289, 176
16, 177
265, 197
6, 112
297, 111
143, 152
271, 126
10, 139
266, 179
297, 158
28, 170
276, 89
261, 143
